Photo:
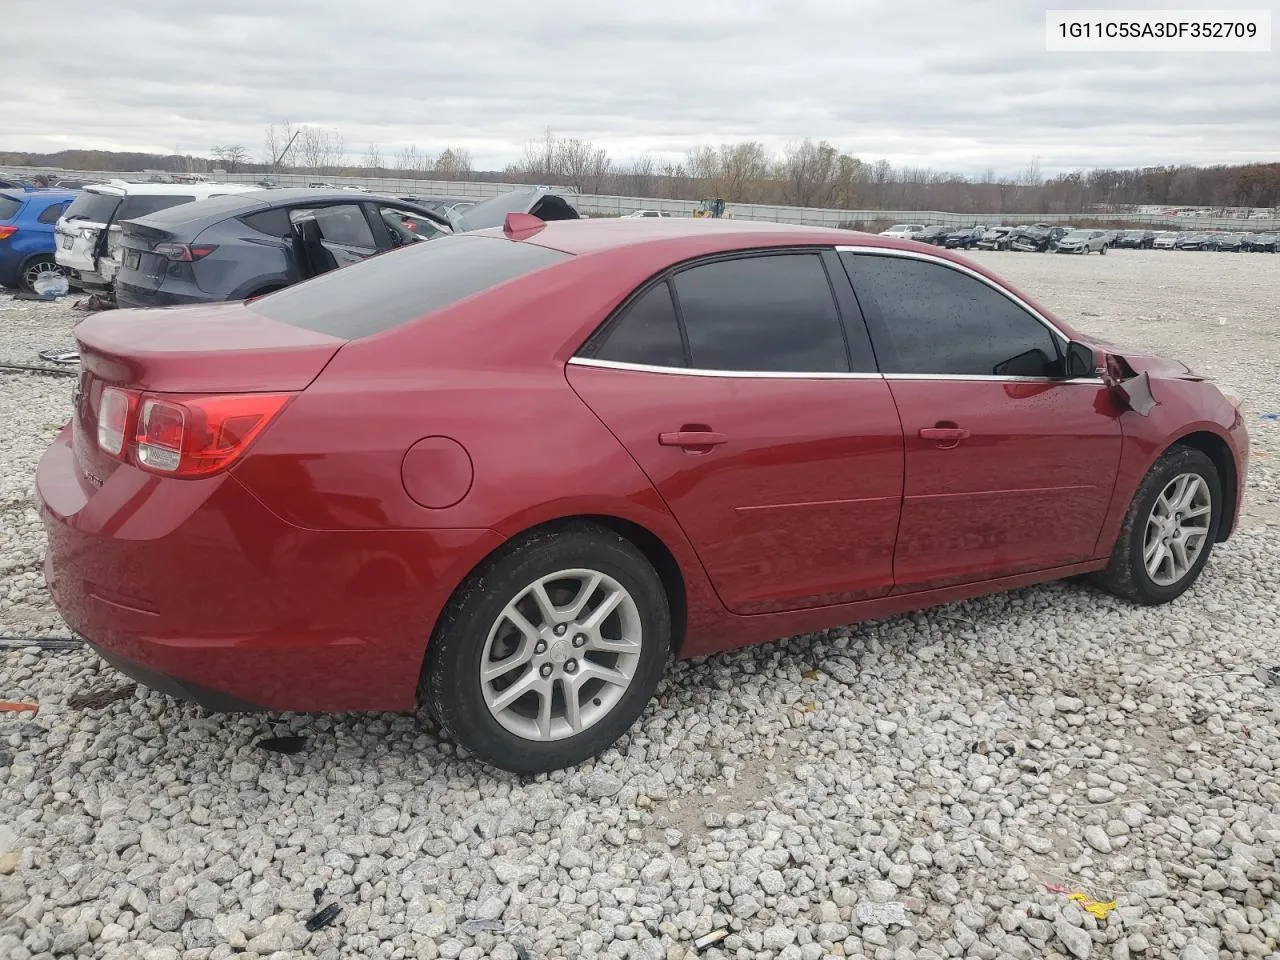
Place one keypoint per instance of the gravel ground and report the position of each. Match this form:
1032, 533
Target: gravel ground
928, 786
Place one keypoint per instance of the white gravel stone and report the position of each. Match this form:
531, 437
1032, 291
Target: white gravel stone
945, 765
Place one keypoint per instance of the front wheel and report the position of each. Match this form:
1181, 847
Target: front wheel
1103, 250
1169, 530
550, 651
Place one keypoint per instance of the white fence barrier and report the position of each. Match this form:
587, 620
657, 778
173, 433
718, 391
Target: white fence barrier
600, 205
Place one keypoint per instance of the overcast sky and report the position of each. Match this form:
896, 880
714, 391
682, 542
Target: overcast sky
952, 85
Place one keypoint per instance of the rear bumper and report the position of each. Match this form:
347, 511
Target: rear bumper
131, 295
197, 589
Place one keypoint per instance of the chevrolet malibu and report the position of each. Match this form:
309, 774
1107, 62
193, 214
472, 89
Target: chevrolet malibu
507, 475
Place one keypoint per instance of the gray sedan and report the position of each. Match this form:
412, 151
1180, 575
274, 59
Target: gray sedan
1085, 241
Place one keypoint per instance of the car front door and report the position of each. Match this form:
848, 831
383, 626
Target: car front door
746, 389
1009, 465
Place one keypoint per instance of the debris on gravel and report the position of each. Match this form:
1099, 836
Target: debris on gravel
927, 786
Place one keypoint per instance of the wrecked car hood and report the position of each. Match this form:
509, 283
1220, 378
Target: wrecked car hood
541, 202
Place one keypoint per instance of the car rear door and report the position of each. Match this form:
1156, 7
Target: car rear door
1009, 465
344, 230
746, 389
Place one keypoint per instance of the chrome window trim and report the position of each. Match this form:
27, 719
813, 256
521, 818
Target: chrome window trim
801, 375
745, 374
960, 268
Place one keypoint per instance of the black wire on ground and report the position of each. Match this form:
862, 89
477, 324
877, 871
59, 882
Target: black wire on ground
45, 643
32, 369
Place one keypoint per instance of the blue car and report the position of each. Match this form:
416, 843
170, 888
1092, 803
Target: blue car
26, 234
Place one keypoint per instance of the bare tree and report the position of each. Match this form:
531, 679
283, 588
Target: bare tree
454, 163
372, 157
408, 159
808, 173
278, 143
321, 150
742, 166
232, 157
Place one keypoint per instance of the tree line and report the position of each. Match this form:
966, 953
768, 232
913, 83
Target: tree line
812, 174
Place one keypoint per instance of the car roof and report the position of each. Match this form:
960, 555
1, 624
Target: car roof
690, 237
127, 187
234, 205
53, 196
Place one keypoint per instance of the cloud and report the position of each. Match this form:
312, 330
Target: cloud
953, 86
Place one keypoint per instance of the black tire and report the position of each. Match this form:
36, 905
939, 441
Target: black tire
31, 266
1126, 574
1102, 250
451, 687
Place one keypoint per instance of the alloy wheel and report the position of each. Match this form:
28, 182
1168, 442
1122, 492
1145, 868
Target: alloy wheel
561, 654
1177, 529
32, 273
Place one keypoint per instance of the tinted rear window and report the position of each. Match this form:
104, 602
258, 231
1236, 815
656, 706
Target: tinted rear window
8, 207
94, 207
139, 205
394, 288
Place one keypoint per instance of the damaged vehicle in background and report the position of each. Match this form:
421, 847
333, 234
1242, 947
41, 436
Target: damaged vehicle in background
996, 238
1084, 241
88, 233
245, 246
1036, 238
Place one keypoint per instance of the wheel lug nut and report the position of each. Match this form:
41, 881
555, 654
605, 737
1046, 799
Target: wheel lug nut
560, 630
540, 647
580, 640
546, 670
571, 666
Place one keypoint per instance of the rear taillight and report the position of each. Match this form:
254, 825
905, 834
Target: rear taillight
184, 436
183, 252
7, 231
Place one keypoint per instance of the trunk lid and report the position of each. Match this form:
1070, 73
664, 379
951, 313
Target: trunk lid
139, 264
216, 349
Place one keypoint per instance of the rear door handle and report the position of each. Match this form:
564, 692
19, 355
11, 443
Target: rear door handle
944, 438
692, 439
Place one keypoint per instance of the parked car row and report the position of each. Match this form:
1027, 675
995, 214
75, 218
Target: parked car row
1218, 242
150, 245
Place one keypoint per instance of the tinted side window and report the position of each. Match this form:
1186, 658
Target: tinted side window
342, 223
773, 313
8, 207
52, 213
274, 223
941, 321
647, 332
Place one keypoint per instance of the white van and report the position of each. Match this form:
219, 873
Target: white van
87, 235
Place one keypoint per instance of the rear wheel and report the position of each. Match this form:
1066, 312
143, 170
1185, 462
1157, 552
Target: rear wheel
33, 268
1169, 530
550, 651
1103, 250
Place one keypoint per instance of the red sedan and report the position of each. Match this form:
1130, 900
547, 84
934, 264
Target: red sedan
509, 474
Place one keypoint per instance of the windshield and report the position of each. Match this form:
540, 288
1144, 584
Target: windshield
1078, 235
94, 207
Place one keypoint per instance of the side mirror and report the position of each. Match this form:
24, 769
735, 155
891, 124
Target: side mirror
1082, 361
